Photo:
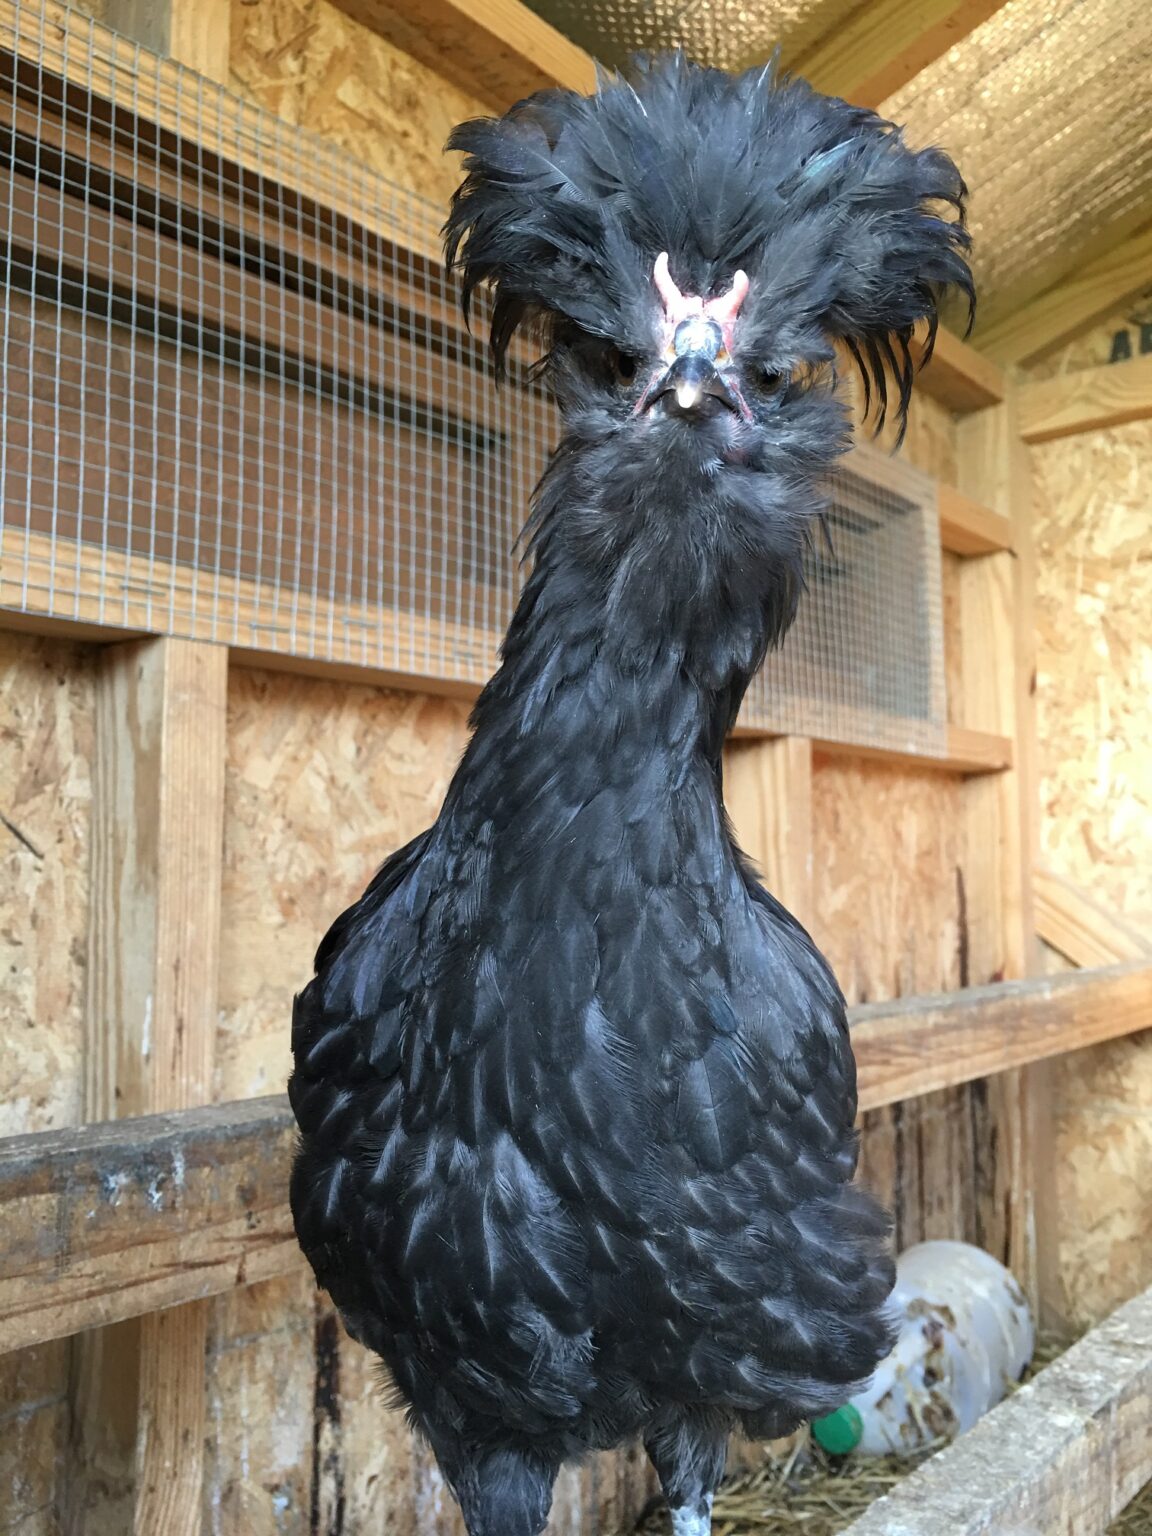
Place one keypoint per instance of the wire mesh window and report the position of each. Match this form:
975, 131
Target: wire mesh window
240, 405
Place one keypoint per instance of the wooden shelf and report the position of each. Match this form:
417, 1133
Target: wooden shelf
114, 1220
968, 752
40, 575
967, 527
958, 376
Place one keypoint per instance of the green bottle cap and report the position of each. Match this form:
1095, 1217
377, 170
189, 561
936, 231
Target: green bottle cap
839, 1432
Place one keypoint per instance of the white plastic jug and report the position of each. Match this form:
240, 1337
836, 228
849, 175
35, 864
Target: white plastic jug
966, 1335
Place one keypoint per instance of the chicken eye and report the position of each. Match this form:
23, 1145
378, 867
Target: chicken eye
622, 366
768, 381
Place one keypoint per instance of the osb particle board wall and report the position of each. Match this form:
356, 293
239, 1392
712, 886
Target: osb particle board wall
308, 63
46, 717
1093, 506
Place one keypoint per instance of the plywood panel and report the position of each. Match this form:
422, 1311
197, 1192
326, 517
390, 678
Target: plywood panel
47, 711
887, 852
324, 781
891, 918
261, 1386
1094, 594
311, 65
1104, 1174
46, 724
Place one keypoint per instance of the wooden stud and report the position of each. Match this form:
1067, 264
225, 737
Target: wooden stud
957, 375
1077, 302
109, 1221
498, 50
768, 792
1087, 400
1002, 829
157, 836
968, 527
1065, 1453
194, 33
1081, 929
879, 47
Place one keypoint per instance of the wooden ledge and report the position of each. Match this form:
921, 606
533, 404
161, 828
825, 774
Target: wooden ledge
957, 375
114, 1220
1065, 1453
921, 1044
968, 527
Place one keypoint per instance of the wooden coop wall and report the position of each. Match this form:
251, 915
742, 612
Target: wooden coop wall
1093, 513
322, 778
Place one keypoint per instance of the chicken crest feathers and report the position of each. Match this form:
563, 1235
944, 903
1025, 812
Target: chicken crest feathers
845, 232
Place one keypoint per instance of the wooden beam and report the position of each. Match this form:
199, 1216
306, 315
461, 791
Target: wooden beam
157, 836
917, 1045
1082, 930
958, 376
1061, 261
194, 33
122, 1218
1090, 294
883, 44
968, 527
158, 819
110, 1221
1001, 827
60, 40
41, 576
1089, 400
1065, 1453
498, 50
768, 792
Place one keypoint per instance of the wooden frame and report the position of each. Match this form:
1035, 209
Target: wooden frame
1088, 400
113, 1220
1091, 293
1065, 1453
1082, 930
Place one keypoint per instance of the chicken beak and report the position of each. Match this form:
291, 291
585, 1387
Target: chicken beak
694, 382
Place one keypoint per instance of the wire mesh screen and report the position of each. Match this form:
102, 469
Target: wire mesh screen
864, 661
240, 405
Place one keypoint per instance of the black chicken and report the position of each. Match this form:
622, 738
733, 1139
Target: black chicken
576, 1094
